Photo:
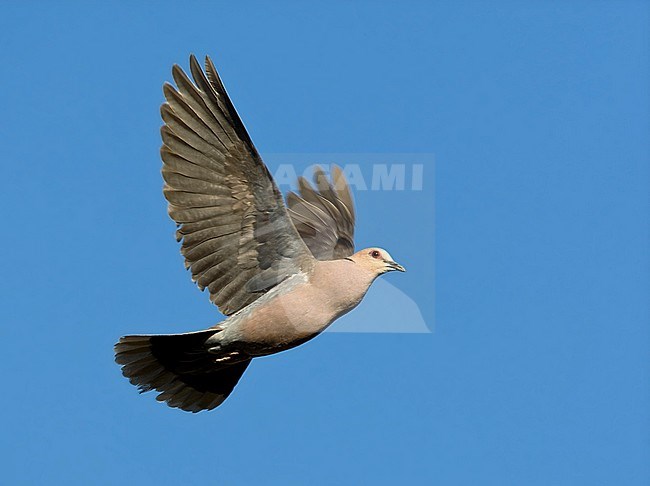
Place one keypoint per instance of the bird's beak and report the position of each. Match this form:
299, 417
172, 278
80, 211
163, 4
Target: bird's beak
395, 266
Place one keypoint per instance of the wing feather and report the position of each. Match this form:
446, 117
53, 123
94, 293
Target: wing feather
232, 221
323, 214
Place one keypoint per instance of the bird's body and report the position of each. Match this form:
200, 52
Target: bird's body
295, 311
280, 274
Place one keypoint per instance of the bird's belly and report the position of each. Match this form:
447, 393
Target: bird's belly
288, 321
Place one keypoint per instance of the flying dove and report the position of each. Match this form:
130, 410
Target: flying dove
279, 273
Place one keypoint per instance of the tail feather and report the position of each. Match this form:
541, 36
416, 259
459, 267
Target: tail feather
180, 368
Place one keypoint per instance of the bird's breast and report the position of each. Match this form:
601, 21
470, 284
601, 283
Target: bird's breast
302, 310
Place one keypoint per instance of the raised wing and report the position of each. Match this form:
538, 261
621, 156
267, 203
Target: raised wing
237, 238
324, 215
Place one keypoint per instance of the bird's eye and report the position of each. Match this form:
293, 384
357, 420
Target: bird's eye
374, 254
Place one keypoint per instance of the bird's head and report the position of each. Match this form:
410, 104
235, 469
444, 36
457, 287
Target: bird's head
376, 261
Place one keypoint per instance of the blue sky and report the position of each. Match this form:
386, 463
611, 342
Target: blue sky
534, 273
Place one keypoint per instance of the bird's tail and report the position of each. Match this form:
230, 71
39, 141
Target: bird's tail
180, 367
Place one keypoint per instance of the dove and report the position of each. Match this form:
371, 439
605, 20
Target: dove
279, 272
